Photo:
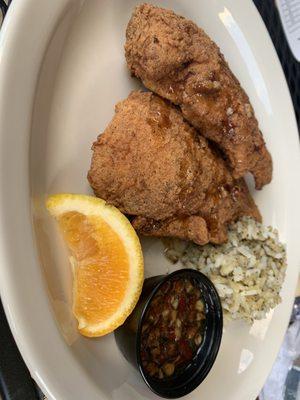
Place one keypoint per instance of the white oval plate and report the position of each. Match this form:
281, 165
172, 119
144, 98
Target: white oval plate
62, 69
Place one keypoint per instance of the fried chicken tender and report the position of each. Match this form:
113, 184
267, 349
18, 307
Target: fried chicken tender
177, 60
153, 165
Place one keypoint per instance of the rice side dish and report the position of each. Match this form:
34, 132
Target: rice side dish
247, 271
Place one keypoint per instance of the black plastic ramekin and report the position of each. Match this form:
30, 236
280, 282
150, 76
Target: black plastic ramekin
128, 336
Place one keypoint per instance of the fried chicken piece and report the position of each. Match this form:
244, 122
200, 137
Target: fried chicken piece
152, 164
211, 226
192, 228
177, 60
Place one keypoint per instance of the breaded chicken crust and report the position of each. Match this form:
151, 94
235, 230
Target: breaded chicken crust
153, 165
177, 60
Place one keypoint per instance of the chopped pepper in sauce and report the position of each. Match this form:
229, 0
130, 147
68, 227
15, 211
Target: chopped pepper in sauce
172, 329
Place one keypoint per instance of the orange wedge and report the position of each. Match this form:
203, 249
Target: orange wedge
107, 259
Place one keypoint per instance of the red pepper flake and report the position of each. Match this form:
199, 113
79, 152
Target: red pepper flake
185, 349
182, 304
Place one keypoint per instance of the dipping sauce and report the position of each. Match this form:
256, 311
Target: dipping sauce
172, 329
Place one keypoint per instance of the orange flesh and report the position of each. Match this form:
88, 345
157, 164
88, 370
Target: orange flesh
102, 273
